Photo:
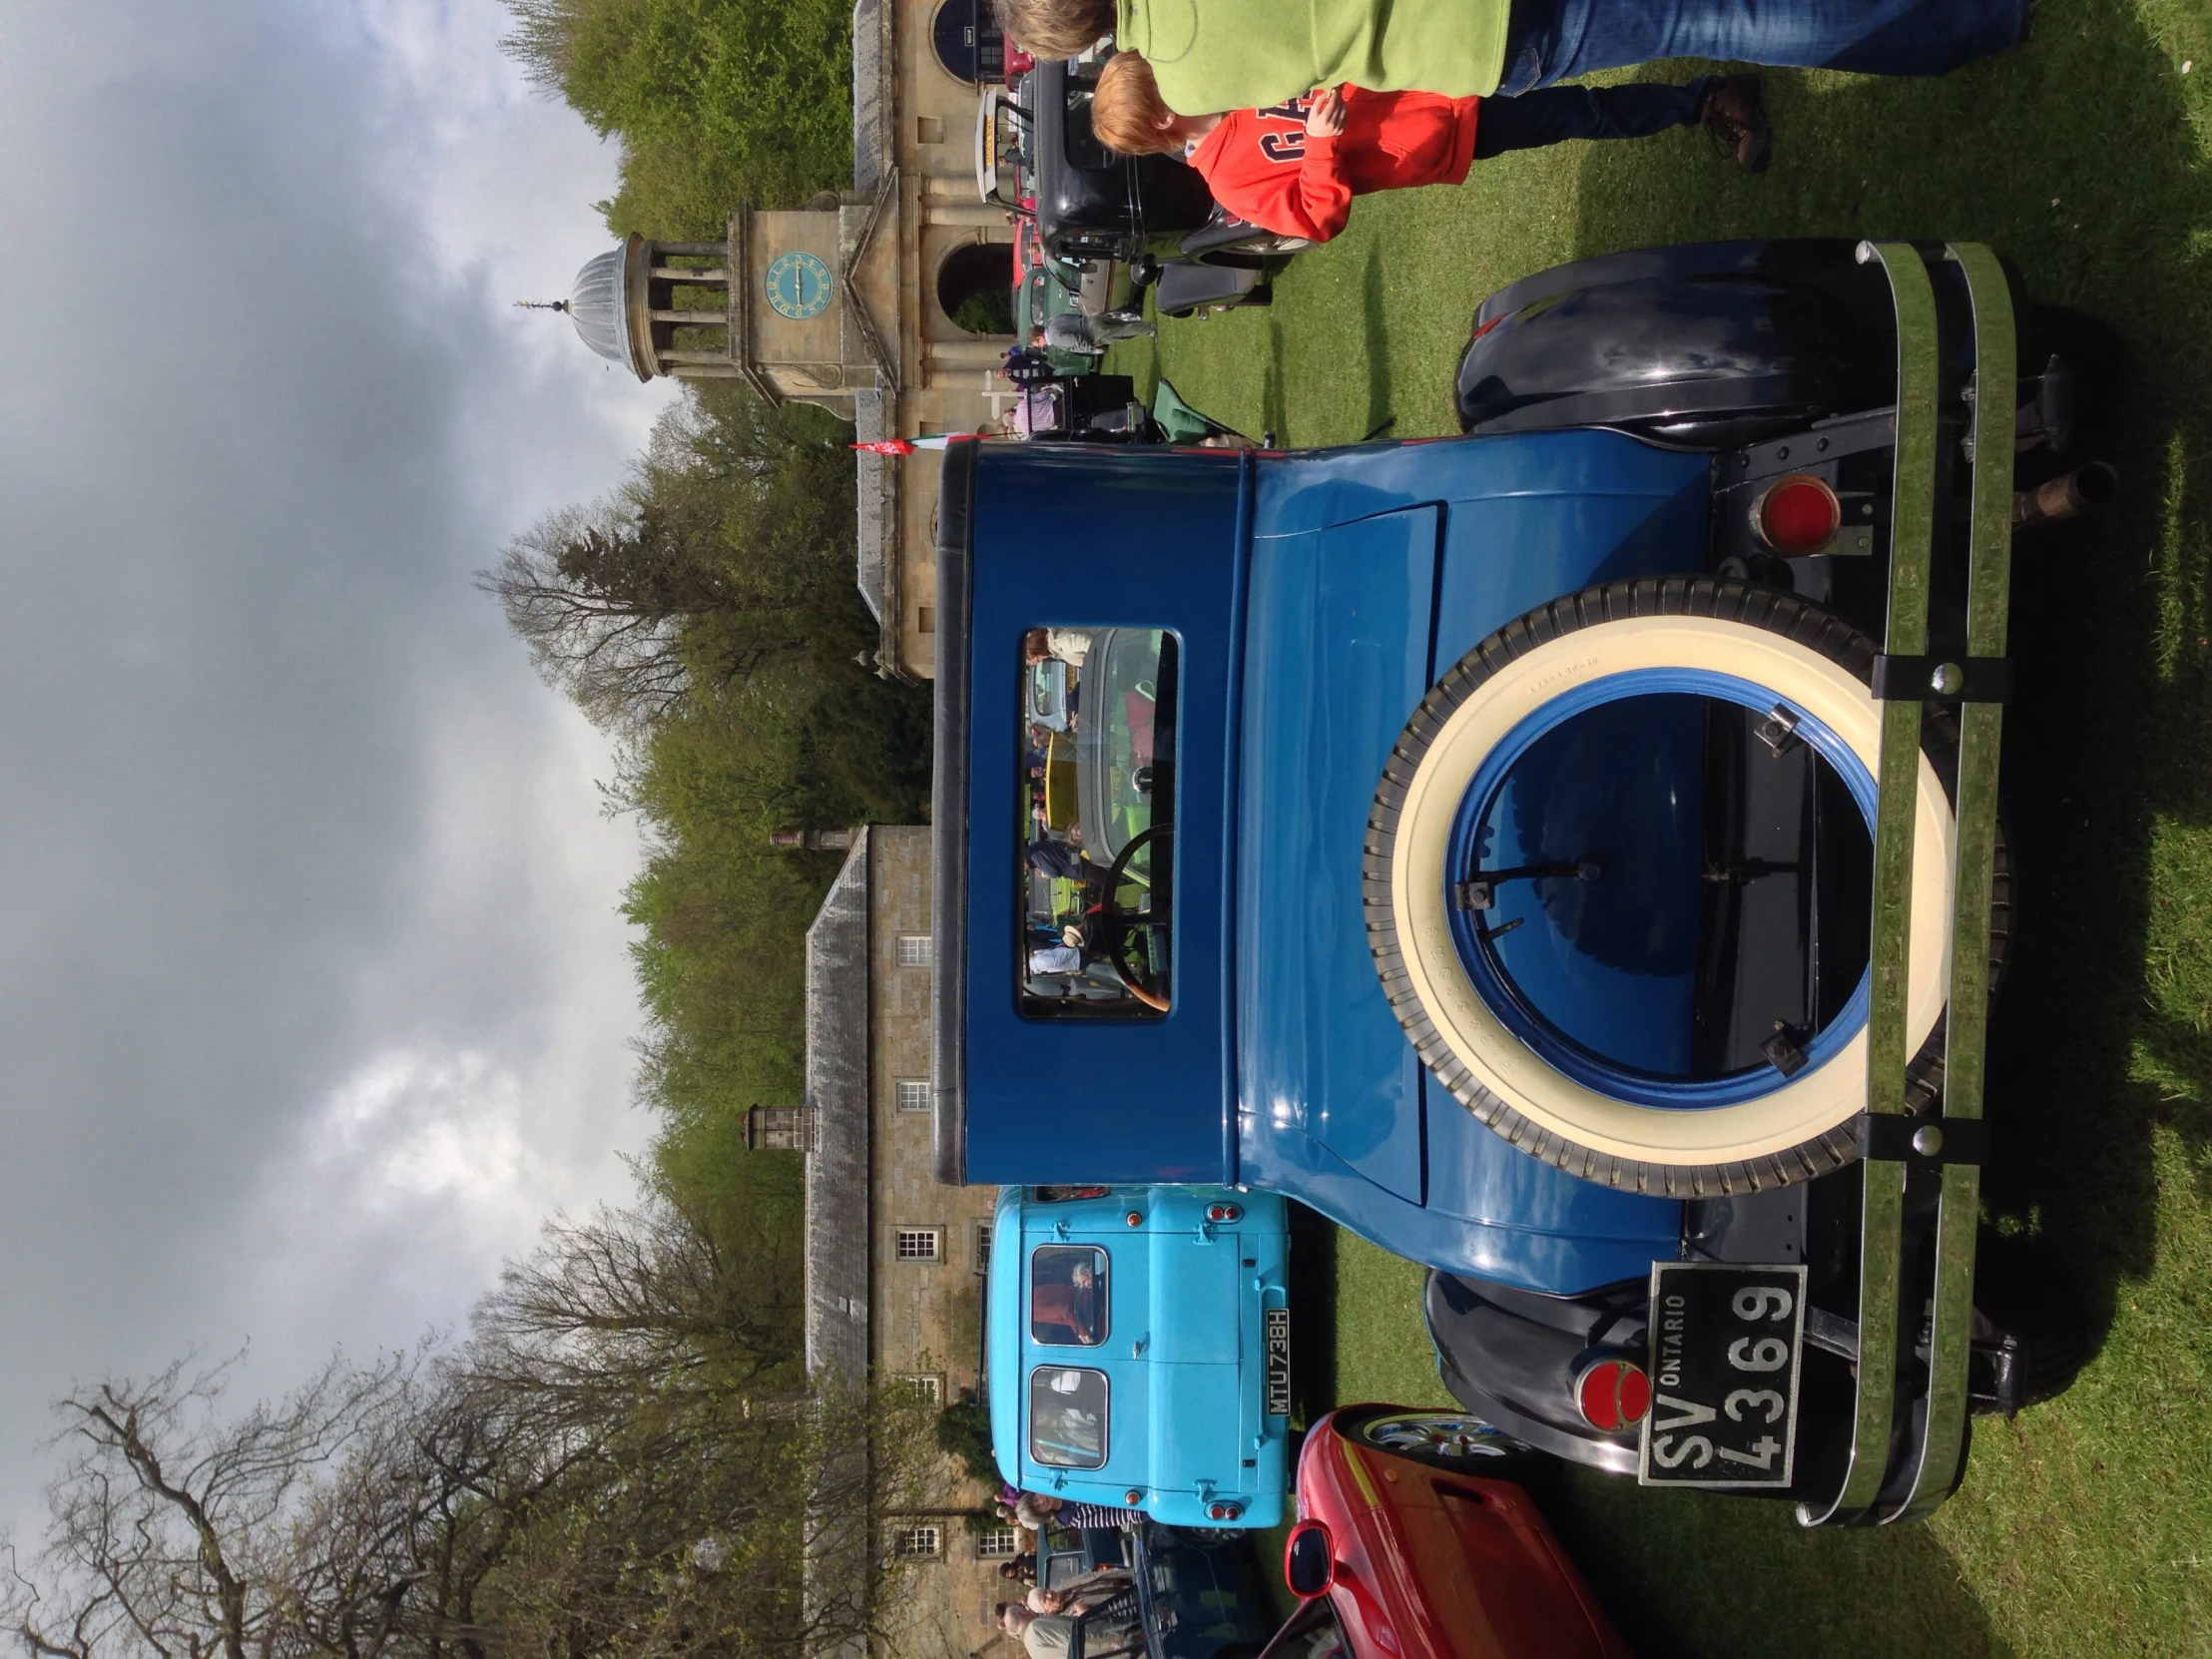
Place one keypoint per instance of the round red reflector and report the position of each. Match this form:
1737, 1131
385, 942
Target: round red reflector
1635, 1396
1613, 1395
1798, 514
1600, 1397
1224, 1211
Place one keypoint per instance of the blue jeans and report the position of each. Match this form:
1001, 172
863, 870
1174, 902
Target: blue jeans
1556, 40
1551, 115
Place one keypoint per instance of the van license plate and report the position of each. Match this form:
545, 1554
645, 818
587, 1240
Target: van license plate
1727, 1342
1278, 1327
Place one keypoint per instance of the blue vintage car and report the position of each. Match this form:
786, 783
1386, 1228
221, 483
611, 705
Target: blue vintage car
1139, 1350
1541, 852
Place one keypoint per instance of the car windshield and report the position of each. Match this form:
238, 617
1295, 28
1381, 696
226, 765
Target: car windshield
1007, 153
1063, 1559
1067, 1416
1084, 150
1097, 799
1067, 1295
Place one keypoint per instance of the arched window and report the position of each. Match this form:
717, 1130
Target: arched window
975, 287
968, 41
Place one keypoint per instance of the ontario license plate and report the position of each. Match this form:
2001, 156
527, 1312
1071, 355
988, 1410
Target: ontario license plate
1277, 1328
1727, 1341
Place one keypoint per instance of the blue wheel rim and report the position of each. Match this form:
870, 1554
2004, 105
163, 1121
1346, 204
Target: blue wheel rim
1497, 987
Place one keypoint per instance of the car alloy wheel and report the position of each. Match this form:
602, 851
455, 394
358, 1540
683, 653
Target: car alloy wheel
1450, 1439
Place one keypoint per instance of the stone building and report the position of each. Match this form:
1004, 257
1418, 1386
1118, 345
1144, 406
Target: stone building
850, 300
894, 1262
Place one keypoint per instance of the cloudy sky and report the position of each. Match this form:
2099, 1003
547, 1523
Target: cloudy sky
313, 988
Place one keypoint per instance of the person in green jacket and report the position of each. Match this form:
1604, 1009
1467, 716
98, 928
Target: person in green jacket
1213, 56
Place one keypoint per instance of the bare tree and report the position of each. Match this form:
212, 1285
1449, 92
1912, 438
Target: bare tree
641, 1292
612, 646
705, 567
625, 1459
168, 1526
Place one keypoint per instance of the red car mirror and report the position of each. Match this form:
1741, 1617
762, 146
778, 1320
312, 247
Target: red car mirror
1310, 1560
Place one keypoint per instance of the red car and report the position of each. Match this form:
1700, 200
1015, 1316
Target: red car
1410, 1544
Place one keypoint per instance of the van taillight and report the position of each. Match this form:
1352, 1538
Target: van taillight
1224, 1511
1224, 1211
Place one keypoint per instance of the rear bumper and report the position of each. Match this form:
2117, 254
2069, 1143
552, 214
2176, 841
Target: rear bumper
1890, 1238
1954, 415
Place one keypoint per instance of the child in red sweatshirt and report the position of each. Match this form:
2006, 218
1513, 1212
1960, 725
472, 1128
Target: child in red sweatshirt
1293, 169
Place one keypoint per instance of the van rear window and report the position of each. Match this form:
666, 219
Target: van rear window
1095, 882
1067, 1416
1067, 1295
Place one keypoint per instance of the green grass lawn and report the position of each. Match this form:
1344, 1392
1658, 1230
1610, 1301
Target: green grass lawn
2085, 1526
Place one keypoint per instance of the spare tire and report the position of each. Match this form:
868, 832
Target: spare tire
1658, 636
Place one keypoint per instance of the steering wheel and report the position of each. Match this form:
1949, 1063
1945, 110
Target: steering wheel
1119, 927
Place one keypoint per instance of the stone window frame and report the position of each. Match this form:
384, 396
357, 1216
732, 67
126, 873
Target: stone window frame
997, 1543
983, 1246
916, 951
927, 1243
928, 1384
918, 1541
912, 1094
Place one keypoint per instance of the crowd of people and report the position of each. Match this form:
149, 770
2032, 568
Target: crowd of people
1045, 1620
1290, 113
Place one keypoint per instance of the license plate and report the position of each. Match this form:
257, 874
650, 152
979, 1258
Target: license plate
1276, 1325
1727, 1343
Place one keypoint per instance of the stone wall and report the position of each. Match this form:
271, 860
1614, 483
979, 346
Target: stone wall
913, 132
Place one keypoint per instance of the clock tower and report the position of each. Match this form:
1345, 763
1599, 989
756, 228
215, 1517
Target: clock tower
772, 304
888, 302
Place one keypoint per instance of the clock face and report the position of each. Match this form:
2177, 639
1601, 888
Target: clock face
799, 286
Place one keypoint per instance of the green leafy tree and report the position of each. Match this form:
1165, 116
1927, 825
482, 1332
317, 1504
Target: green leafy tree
717, 101
706, 614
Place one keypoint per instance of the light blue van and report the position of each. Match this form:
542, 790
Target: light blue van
1140, 1350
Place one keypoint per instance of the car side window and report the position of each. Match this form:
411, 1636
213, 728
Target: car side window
1063, 1556
1067, 1416
1067, 1296
1095, 882
1312, 1633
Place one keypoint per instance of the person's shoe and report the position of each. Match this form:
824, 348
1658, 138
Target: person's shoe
1735, 115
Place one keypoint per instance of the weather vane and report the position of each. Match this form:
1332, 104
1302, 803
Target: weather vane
542, 305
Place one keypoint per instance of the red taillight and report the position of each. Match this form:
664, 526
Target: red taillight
1224, 1211
1019, 64
1798, 514
1612, 1394
1224, 1511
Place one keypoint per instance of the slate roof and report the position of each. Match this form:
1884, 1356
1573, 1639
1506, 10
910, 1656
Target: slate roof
838, 1029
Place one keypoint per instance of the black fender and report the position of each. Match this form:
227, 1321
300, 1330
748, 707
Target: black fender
1710, 345
1509, 1356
